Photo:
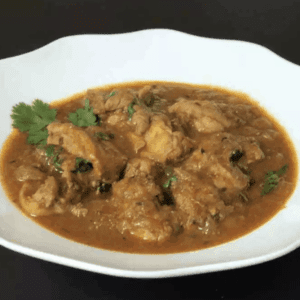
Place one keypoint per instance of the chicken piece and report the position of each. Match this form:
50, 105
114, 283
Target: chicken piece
252, 151
106, 159
238, 113
204, 115
197, 161
24, 173
197, 200
120, 100
138, 213
77, 142
113, 162
67, 166
46, 192
249, 146
145, 91
214, 156
158, 90
213, 159
162, 143
78, 210
139, 167
39, 199
229, 178
262, 123
137, 142
141, 119
117, 119
97, 100
70, 188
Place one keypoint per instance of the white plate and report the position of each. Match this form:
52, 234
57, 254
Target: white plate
74, 63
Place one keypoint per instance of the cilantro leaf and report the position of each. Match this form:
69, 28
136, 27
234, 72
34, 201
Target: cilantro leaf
83, 117
151, 103
82, 166
104, 136
131, 110
37, 136
33, 118
50, 150
170, 176
52, 155
79, 160
111, 94
167, 184
282, 170
272, 180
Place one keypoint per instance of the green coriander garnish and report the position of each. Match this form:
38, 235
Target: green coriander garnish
104, 136
151, 103
272, 180
82, 165
171, 177
33, 119
111, 94
167, 184
83, 117
52, 154
131, 110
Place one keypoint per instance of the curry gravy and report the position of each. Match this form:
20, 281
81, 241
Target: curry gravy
96, 230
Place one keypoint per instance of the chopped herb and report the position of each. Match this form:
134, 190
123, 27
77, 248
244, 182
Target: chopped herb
167, 184
80, 160
51, 153
151, 103
282, 170
131, 110
50, 150
104, 136
216, 217
83, 117
33, 119
82, 166
171, 177
111, 94
272, 180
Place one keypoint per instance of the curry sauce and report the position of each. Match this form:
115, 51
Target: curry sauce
164, 168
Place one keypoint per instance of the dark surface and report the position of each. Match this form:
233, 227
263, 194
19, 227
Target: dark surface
26, 27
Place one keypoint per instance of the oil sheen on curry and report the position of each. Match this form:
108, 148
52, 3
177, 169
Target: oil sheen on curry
148, 167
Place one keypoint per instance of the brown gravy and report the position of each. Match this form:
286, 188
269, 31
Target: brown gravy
97, 232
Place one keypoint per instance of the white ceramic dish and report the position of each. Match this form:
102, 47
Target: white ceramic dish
74, 63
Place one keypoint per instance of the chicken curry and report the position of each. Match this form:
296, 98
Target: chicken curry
151, 167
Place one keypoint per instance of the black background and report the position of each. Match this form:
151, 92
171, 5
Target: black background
28, 25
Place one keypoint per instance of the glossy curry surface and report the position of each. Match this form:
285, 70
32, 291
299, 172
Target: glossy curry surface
168, 168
